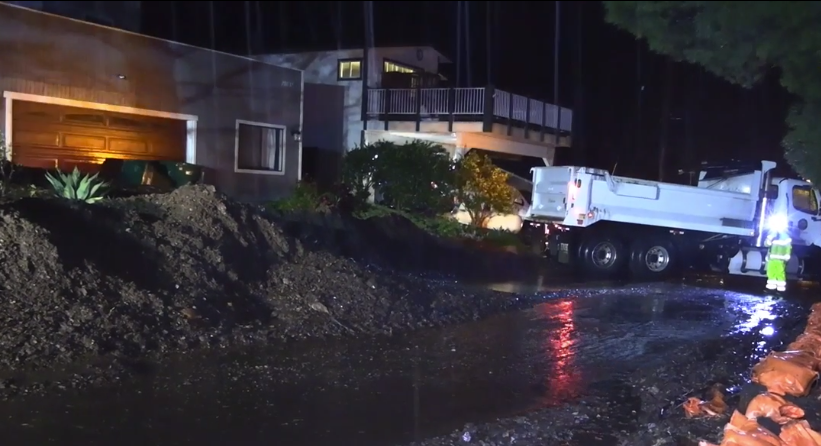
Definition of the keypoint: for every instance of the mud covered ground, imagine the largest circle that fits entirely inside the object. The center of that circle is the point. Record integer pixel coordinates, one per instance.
(145, 275)
(645, 409)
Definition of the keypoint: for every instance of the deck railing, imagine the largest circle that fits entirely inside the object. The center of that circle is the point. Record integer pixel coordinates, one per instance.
(485, 104)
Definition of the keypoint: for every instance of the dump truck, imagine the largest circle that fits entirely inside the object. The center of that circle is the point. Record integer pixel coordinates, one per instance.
(609, 225)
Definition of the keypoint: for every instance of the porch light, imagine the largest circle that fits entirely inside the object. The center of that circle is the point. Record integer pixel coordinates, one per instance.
(297, 135)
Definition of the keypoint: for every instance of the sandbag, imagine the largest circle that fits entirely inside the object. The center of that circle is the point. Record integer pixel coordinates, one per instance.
(783, 376)
(774, 407)
(715, 407)
(742, 431)
(799, 433)
(807, 342)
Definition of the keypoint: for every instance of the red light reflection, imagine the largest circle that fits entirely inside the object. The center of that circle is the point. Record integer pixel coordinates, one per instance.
(563, 379)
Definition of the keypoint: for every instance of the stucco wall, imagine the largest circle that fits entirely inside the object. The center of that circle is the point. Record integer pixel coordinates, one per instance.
(53, 56)
(321, 68)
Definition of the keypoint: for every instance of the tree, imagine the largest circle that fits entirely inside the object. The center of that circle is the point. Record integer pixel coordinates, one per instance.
(743, 42)
(482, 188)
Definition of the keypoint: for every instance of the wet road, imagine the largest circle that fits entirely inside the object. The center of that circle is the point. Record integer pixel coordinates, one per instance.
(395, 390)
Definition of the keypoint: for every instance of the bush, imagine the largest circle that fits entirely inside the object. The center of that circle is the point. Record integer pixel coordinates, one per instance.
(482, 188)
(360, 166)
(306, 198)
(416, 177)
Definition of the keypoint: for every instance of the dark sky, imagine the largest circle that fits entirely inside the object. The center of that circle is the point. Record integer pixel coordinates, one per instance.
(601, 69)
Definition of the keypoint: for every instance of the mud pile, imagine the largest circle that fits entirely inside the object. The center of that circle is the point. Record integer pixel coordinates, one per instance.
(192, 269)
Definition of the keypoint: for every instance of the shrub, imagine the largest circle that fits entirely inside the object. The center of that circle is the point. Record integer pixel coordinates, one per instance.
(415, 177)
(306, 198)
(359, 167)
(74, 186)
(482, 188)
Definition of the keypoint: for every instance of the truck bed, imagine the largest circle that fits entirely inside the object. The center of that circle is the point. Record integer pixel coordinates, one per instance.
(581, 196)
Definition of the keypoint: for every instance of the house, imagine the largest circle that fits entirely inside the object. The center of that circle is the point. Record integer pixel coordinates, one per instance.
(407, 98)
(76, 93)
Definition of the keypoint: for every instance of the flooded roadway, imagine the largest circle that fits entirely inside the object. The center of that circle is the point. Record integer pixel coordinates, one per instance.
(388, 391)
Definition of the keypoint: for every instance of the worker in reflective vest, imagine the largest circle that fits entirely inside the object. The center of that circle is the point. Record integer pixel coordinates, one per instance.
(777, 257)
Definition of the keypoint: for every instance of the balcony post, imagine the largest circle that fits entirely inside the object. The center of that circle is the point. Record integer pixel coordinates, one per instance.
(418, 105)
(527, 118)
(387, 111)
(489, 108)
(509, 114)
(451, 108)
(544, 118)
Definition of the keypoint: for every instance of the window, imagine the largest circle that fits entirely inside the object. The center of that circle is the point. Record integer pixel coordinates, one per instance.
(804, 200)
(393, 67)
(85, 118)
(350, 69)
(260, 148)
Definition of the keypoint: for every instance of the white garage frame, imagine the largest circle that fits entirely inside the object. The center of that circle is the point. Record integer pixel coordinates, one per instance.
(11, 96)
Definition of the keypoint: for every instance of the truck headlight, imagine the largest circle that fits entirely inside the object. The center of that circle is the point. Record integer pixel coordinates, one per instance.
(777, 222)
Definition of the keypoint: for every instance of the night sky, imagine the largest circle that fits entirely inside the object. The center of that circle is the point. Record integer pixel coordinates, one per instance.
(601, 69)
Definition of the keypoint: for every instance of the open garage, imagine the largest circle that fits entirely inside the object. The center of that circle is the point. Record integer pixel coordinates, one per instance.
(49, 136)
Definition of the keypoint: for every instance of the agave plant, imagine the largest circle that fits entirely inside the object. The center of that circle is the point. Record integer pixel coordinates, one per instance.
(74, 186)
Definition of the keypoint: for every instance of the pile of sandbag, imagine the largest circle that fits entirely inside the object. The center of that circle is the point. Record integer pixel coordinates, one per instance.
(790, 373)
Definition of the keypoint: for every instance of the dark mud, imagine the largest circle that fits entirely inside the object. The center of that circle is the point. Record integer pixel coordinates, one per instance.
(603, 367)
(643, 406)
(141, 276)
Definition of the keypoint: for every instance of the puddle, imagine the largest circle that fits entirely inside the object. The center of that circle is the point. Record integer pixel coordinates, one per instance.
(395, 390)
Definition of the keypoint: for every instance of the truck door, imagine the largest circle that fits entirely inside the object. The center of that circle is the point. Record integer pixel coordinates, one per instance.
(804, 218)
(550, 192)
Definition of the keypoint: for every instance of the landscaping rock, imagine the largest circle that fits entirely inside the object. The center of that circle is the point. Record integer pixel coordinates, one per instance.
(157, 273)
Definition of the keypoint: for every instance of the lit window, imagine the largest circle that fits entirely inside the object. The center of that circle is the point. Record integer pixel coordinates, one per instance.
(350, 69)
(391, 67)
(260, 148)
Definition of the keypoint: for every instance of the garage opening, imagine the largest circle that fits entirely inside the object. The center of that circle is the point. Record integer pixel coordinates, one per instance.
(55, 136)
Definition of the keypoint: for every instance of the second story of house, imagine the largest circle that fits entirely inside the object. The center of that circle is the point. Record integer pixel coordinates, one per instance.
(405, 84)
(389, 67)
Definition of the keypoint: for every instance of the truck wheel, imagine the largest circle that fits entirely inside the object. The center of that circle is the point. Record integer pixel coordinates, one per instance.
(652, 259)
(602, 256)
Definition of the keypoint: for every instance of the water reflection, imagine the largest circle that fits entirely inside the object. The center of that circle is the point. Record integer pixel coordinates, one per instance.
(758, 310)
(564, 379)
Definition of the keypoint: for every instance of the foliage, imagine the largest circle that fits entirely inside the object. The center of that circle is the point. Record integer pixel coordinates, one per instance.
(6, 167)
(74, 186)
(743, 42)
(306, 198)
(359, 167)
(482, 188)
(416, 176)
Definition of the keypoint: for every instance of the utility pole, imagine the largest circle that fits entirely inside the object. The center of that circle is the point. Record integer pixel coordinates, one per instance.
(556, 76)
(366, 63)
(665, 116)
(466, 16)
(488, 42)
(576, 131)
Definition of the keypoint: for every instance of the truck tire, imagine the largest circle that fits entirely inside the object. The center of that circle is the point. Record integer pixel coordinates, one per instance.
(654, 258)
(602, 256)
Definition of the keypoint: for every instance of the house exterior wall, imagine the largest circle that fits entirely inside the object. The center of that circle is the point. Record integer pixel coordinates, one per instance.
(321, 68)
(57, 57)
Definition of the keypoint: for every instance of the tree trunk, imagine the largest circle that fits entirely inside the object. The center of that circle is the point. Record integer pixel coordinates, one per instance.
(665, 116)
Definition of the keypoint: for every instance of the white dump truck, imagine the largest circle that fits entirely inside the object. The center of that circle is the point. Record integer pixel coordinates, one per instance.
(610, 225)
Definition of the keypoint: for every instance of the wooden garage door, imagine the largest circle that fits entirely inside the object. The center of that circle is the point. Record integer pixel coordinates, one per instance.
(50, 136)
